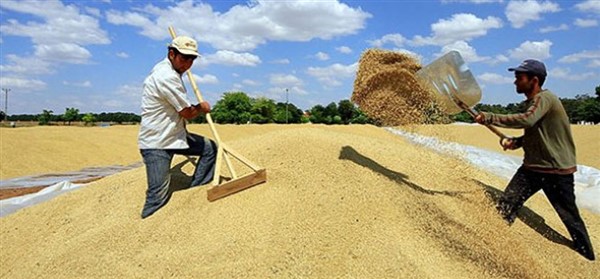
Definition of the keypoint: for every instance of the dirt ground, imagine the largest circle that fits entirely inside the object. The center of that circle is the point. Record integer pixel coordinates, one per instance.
(340, 201)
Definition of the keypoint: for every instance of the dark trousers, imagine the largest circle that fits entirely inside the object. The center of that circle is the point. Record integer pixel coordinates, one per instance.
(560, 192)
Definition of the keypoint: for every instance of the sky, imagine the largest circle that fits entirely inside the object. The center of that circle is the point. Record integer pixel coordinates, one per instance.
(94, 55)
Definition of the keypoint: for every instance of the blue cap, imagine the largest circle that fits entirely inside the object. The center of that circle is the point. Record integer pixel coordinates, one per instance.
(531, 66)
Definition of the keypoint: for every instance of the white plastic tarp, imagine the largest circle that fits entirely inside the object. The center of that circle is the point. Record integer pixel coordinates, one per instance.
(11, 205)
(587, 179)
(59, 184)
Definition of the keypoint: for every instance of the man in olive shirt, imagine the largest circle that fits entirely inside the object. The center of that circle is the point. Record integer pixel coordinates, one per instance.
(549, 160)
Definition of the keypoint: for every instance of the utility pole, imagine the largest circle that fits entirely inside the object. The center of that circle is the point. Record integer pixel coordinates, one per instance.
(6, 90)
(286, 106)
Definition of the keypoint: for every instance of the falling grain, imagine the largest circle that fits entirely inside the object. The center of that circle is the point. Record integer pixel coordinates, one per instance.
(387, 90)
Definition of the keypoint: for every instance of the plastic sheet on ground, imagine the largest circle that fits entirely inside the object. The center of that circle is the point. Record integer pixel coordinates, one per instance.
(59, 184)
(587, 179)
(81, 176)
(11, 205)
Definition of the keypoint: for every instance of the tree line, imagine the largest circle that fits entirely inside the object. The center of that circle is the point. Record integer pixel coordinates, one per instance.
(239, 108)
(72, 115)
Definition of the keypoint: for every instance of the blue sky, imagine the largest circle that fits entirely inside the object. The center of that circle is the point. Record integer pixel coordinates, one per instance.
(94, 55)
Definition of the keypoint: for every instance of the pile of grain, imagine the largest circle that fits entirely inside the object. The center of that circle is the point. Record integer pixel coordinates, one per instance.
(340, 201)
(387, 90)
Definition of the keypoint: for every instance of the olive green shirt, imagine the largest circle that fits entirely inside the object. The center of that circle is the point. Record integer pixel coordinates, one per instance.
(547, 143)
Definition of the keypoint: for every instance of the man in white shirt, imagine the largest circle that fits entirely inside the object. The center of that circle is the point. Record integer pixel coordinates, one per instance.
(165, 108)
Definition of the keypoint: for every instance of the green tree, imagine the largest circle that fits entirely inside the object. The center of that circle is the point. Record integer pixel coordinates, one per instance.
(360, 117)
(331, 111)
(233, 107)
(293, 114)
(263, 110)
(588, 109)
(336, 120)
(317, 114)
(88, 119)
(304, 119)
(463, 116)
(70, 115)
(346, 110)
(45, 117)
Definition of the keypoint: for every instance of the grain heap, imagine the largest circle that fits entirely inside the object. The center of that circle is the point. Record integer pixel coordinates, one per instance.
(347, 201)
(387, 90)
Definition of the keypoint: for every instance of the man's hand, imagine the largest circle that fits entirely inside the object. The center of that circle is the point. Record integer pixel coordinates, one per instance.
(480, 118)
(509, 144)
(203, 107)
(194, 110)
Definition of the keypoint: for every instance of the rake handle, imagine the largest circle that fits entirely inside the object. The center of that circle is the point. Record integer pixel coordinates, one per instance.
(211, 124)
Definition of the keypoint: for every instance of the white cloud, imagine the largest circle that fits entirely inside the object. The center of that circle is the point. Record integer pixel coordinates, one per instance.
(395, 39)
(590, 56)
(285, 80)
(60, 24)
(344, 49)
(521, 12)
(206, 79)
(131, 91)
(58, 34)
(86, 83)
(236, 87)
(278, 93)
(322, 56)
(565, 73)
(230, 58)
(415, 55)
(331, 75)
(244, 27)
(281, 61)
(585, 22)
(590, 6)
(93, 11)
(499, 58)
(492, 78)
(468, 53)
(18, 83)
(250, 82)
(594, 63)
(122, 54)
(63, 52)
(22, 65)
(461, 27)
(531, 50)
(473, 1)
(548, 29)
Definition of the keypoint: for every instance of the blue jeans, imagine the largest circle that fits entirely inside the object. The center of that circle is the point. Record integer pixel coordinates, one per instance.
(158, 164)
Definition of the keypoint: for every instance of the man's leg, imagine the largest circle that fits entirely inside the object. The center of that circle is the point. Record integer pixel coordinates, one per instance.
(560, 192)
(520, 188)
(158, 164)
(207, 150)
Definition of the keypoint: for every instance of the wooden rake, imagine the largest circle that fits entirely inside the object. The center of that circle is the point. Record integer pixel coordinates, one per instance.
(237, 183)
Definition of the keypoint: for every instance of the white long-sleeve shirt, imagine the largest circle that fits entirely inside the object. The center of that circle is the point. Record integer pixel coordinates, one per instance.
(164, 95)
